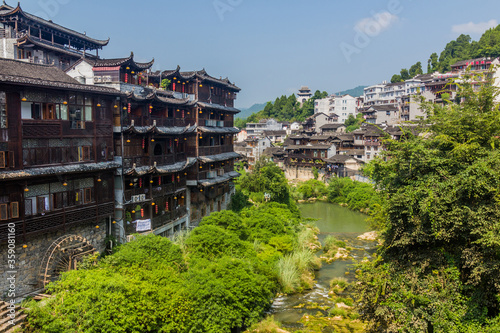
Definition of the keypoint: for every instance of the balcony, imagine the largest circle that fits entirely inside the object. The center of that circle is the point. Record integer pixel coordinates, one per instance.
(60, 219)
(214, 150)
(168, 217)
(372, 143)
(139, 161)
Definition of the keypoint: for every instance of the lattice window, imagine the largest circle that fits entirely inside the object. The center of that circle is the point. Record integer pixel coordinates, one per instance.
(4, 212)
(14, 210)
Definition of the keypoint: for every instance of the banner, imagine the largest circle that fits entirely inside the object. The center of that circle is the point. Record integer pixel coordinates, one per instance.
(142, 225)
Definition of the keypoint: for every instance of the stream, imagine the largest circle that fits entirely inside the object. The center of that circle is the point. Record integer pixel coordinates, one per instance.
(345, 225)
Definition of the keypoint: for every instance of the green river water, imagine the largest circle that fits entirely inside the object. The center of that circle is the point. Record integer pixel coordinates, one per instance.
(345, 225)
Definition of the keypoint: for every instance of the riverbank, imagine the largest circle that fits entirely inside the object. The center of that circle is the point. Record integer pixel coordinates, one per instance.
(329, 306)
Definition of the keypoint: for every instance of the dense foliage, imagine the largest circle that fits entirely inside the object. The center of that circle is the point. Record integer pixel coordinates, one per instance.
(355, 195)
(284, 109)
(216, 278)
(462, 48)
(439, 267)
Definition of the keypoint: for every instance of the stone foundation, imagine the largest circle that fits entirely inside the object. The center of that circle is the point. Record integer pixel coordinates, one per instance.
(28, 260)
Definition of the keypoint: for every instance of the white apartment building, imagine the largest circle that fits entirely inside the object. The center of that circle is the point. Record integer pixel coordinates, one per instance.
(344, 106)
(372, 94)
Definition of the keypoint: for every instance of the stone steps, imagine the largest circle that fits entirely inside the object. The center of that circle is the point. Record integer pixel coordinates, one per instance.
(5, 324)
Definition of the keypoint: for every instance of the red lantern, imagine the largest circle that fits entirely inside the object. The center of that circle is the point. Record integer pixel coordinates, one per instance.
(156, 209)
(140, 182)
(126, 77)
(142, 212)
(143, 143)
(166, 206)
(128, 108)
(173, 178)
(159, 180)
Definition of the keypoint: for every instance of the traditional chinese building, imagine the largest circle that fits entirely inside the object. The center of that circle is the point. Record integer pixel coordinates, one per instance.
(56, 167)
(29, 38)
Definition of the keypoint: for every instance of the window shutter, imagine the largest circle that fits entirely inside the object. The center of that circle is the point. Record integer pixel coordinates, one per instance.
(4, 213)
(12, 162)
(14, 210)
(2, 159)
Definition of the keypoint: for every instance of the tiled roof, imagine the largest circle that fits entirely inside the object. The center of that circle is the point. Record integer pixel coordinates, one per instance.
(218, 107)
(24, 73)
(219, 130)
(221, 179)
(6, 10)
(219, 157)
(58, 170)
(201, 75)
(123, 61)
(163, 169)
(332, 126)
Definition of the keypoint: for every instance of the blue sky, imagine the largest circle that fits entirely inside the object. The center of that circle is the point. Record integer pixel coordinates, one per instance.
(270, 48)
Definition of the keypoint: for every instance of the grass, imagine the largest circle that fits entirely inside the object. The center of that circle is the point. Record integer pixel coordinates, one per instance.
(332, 243)
(288, 274)
(337, 285)
(268, 325)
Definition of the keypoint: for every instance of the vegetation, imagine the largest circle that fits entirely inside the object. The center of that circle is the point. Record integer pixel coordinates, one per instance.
(462, 48)
(353, 123)
(438, 269)
(309, 189)
(284, 109)
(218, 277)
(355, 195)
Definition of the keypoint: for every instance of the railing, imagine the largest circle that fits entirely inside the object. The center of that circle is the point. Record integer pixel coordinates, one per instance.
(168, 217)
(215, 150)
(160, 121)
(58, 220)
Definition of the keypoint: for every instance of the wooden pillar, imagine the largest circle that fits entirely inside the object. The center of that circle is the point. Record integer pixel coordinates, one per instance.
(52, 38)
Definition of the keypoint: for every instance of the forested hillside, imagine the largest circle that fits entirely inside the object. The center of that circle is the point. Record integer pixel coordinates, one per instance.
(462, 48)
(284, 109)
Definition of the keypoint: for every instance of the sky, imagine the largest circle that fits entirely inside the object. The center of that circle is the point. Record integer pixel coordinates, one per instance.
(270, 48)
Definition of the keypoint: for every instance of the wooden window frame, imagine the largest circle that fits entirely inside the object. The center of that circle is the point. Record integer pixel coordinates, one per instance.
(14, 210)
(4, 212)
(2, 160)
(87, 196)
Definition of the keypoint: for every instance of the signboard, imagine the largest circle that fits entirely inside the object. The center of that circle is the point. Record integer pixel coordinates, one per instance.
(142, 225)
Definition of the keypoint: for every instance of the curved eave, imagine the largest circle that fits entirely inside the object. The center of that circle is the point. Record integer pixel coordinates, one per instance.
(160, 170)
(96, 42)
(219, 130)
(218, 107)
(58, 170)
(36, 41)
(218, 158)
(221, 179)
(128, 61)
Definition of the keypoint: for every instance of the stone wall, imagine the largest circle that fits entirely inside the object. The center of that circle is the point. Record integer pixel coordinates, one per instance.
(28, 259)
(302, 173)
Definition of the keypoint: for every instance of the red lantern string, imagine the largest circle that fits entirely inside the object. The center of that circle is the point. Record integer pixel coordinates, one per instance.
(126, 78)
(140, 182)
(142, 212)
(166, 206)
(156, 209)
(143, 143)
(128, 108)
(159, 180)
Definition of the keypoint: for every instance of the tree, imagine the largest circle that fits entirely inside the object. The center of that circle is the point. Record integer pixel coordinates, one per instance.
(439, 267)
(416, 69)
(433, 63)
(405, 75)
(396, 78)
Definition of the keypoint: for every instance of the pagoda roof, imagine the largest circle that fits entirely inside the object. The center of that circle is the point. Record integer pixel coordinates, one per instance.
(128, 61)
(7, 11)
(44, 76)
(201, 75)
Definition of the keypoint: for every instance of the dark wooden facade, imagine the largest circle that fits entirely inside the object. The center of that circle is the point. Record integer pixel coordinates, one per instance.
(56, 150)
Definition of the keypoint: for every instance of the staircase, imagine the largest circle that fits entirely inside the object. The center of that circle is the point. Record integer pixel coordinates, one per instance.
(5, 321)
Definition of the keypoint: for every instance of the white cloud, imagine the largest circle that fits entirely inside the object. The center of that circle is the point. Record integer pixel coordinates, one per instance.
(474, 28)
(372, 26)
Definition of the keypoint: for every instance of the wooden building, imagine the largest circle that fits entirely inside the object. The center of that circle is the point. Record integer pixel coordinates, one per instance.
(30, 38)
(56, 160)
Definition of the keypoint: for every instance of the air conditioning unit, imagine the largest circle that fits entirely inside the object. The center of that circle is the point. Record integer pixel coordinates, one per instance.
(106, 78)
(97, 79)
(211, 174)
(221, 172)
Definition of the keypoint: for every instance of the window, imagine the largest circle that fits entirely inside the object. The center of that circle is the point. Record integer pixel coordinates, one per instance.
(14, 210)
(3, 212)
(3, 163)
(3, 110)
(88, 195)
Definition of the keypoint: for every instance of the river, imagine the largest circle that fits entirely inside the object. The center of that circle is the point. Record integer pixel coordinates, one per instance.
(345, 225)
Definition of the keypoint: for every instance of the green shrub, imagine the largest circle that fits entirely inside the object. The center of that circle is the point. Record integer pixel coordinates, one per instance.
(332, 243)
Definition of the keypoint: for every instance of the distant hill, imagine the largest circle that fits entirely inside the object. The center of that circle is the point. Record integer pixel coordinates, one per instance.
(246, 112)
(354, 92)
